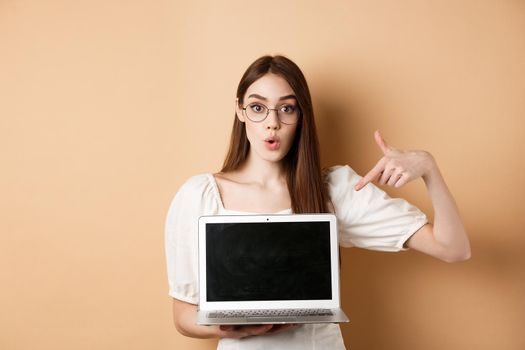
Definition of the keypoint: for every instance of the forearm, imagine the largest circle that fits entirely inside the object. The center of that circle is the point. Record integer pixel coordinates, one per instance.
(184, 317)
(448, 230)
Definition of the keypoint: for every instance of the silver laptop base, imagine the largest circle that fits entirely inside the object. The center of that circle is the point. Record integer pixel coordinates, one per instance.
(235, 317)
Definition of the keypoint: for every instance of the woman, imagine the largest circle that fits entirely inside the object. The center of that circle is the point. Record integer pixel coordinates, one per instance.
(273, 166)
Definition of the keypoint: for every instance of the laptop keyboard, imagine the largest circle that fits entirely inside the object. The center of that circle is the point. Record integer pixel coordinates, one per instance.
(270, 313)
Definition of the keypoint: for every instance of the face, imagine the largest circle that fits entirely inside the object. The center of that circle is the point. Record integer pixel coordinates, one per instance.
(270, 139)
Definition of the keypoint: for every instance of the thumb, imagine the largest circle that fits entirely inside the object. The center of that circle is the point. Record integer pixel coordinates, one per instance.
(381, 142)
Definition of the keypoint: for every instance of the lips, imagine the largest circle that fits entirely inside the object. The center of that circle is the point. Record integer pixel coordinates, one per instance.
(272, 143)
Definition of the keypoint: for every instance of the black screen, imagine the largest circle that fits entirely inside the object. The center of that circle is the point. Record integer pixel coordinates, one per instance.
(268, 261)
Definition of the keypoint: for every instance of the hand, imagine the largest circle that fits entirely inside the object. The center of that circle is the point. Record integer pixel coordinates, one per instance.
(242, 331)
(397, 167)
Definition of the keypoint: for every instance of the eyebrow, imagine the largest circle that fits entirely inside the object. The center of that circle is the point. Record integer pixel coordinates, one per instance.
(265, 99)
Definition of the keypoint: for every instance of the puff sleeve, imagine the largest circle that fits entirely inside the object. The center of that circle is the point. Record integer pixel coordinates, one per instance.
(194, 199)
(369, 218)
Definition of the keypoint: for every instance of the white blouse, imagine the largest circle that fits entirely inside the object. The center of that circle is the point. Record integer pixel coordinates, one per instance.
(368, 218)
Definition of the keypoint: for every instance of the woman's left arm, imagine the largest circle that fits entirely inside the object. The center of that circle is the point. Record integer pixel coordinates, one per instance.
(446, 239)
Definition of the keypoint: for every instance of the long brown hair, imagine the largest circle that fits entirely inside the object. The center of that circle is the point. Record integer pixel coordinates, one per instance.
(308, 192)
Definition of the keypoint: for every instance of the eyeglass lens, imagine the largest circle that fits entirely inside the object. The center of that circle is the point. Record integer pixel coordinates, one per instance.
(287, 113)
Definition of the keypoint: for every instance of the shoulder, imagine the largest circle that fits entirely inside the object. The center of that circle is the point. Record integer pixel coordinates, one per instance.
(226, 179)
(195, 197)
(341, 181)
(196, 184)
(341, 175)
(196, 193)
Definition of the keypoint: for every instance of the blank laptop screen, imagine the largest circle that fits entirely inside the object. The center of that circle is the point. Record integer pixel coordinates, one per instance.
(268, 261)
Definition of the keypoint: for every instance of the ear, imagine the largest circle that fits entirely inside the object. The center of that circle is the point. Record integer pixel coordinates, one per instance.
(239, 111)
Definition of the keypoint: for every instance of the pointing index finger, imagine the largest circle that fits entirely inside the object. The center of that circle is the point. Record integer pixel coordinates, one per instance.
(371, 175)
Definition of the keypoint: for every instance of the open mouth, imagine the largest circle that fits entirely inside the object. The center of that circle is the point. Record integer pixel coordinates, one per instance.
(272, 139)
(272, 143)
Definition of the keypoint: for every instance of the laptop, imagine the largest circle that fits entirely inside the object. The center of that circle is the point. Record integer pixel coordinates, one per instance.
(269, 269)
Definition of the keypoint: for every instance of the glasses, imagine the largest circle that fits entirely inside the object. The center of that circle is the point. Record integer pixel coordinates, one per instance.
(257, 112)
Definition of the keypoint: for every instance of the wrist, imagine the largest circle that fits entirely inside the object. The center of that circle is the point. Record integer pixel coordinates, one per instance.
(432, 170)
(217, 332)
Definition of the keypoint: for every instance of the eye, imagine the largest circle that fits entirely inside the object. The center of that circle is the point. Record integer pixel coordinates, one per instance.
(257, 108)
(288, 109)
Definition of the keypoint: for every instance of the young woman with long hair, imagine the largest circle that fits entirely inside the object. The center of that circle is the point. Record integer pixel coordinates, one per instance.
(273, 166)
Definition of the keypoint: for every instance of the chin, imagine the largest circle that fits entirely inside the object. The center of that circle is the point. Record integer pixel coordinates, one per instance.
(275, 157)
(270, 156)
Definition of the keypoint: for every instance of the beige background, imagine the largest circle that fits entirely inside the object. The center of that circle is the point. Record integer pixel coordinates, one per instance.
(106, 107)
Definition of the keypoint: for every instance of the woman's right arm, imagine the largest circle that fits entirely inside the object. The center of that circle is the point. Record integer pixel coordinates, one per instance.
(184, 317)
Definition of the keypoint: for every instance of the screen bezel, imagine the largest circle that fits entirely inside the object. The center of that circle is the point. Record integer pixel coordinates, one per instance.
(273, 304)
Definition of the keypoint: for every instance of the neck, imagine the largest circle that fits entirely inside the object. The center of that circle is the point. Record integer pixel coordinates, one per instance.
(262, 171)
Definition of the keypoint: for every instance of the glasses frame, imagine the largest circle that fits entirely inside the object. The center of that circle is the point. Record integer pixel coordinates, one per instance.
(268, 113)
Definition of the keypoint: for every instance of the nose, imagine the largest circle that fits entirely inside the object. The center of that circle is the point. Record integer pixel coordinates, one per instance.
(272, 120)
